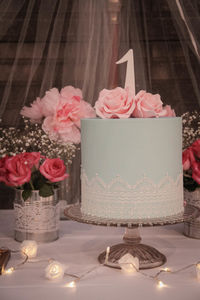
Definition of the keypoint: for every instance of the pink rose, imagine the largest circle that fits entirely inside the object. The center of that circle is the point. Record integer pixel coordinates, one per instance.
(54, 169)
(19, 171)
(32, 158)
(116, 103)
(147, 105)
(167, 111)
(196, 148)
(35, 112)
(196, 171)
(188, 159)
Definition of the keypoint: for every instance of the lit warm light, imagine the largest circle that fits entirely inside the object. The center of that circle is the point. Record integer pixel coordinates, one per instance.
(29, 248)
(160, 284)
(107, 254)
(198, 270)
(129, 263)
(8, 271)
(71, 284)
(166, 270)
(54, 271)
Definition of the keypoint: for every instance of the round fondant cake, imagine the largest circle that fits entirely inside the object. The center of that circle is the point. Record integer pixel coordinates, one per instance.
(131, 168)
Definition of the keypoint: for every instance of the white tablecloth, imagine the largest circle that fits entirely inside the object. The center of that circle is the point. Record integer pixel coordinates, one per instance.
(78, 248)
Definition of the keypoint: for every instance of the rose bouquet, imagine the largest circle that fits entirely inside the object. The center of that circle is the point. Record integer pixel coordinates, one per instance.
(121, 103)
(32, 171)
(51, 127)
(191, 166)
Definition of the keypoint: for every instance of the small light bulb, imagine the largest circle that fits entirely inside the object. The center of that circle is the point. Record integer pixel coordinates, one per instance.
(198, 271)
(107, 255)
(166, 270)
(29, 248)
(8, 271)
(198, 266)
(160, 284)
(71, 284)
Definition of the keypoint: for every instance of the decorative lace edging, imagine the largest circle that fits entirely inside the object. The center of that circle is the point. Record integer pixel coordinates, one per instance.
(143, 199)
(36, 217)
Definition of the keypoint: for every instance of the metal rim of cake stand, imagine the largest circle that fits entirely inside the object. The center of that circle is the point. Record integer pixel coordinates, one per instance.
(148, 256)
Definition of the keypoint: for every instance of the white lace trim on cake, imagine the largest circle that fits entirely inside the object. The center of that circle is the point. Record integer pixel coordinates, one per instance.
(143, 199)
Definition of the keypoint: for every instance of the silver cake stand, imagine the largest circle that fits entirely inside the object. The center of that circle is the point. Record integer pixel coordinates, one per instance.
(148, 256)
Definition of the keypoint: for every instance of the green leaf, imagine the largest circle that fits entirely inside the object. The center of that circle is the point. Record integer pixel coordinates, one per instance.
(46, 190)
(26, 194)
(37, 180)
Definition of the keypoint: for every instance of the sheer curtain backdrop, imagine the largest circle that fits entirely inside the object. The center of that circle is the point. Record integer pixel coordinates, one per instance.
(54, 43)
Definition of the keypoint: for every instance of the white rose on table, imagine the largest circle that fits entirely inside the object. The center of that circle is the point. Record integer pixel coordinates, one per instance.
(129, 263)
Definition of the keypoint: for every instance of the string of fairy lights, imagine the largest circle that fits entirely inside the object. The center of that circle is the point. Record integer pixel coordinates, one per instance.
(55, 270)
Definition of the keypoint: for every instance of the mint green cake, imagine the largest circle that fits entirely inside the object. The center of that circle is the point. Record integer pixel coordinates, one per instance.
(131, 168)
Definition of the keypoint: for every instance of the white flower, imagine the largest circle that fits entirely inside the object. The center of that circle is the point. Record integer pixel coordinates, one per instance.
(29, 248)
(129, 263)
(54, 271)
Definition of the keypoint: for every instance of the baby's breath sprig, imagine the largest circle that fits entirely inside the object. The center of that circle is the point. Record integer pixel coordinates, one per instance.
(32, 138)
(191, 128)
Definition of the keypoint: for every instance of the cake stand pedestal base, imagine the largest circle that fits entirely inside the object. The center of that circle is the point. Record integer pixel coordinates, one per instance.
(148, 256)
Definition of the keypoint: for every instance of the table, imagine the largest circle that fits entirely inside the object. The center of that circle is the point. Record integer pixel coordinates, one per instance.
(78, 248)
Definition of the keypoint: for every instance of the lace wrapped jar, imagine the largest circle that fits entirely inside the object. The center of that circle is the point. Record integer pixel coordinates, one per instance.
(37, 218)
(192, 228)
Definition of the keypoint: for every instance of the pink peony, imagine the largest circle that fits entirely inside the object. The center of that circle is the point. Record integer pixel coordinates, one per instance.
(62, 113)
(50, 102)
(54, 169)
(64, 124)
(116, 103)
(196, 148)
(64, 132)
(69, 92)
(32, 158)
(86, 111)
(147, 105)
(68, 111)
(73, 106)
(35, 112)
(18, 170)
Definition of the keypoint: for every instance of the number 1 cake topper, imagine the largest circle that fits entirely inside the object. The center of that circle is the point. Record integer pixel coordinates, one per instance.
(130, 73)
